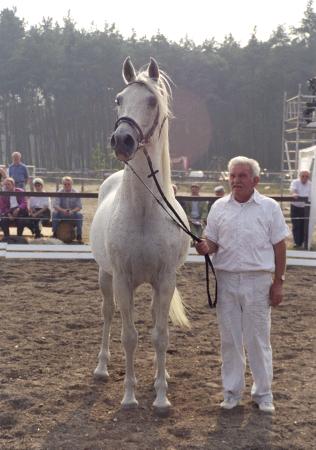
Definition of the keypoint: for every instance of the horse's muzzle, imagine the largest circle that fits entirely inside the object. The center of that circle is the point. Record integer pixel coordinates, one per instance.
(124, 141)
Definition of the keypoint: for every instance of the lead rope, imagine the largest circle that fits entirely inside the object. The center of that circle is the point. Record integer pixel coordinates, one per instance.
(180, 223)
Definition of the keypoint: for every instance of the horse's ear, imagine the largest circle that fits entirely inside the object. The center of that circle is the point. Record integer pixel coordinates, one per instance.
(153, 69)
(128, 71)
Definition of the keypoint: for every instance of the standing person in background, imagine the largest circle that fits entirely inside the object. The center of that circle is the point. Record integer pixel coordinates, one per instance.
(219, 191)
(196, 211)
(67, 208)
(39, 208)
(3, 173)
(18, 171)
(13, 208)
(301, 187)
(246, 231)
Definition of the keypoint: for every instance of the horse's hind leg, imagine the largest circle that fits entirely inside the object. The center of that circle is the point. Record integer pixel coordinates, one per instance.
(163, 292)
(105, 282)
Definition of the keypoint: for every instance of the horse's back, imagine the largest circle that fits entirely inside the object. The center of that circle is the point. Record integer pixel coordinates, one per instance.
(107, 193)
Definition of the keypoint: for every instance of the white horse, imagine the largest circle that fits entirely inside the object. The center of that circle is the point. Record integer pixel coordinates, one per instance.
(133, 239)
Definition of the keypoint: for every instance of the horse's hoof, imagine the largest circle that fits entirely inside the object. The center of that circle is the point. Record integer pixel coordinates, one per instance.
(162, 411)
(128, 406)
(101, 376)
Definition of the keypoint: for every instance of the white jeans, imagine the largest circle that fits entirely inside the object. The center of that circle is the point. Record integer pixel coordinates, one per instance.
(244, 318)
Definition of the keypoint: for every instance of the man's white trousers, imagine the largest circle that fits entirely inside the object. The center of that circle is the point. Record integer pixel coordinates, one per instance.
(244, 318)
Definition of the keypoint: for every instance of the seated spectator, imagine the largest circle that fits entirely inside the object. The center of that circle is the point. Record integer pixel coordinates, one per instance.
(39, 208)
(13, 208)
(67, 208)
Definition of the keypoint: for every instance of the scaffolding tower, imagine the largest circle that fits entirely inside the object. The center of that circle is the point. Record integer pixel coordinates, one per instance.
(299, 129)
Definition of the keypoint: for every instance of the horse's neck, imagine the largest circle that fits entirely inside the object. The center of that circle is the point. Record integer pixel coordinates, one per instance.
(133, 189)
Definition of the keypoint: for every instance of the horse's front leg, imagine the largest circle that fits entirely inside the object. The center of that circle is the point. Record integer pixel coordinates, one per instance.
(105, 282)
(123, 293)
(162, 295)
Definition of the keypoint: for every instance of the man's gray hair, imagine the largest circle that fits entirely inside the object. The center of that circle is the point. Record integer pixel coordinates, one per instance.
(251, 163)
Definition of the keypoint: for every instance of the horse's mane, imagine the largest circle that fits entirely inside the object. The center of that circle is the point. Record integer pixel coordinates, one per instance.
(162, 90)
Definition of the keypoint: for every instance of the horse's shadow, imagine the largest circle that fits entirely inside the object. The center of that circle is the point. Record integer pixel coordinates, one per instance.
(98, 421)
(241, 429)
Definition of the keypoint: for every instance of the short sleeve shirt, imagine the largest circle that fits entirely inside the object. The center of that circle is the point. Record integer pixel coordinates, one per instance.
(19, 173)
(301, 189)
(245, 233)
(68, 202)
(39, 202)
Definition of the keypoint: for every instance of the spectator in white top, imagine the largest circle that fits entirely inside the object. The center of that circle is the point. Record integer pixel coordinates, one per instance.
(301, 187)
(247, 232)
(39, 209)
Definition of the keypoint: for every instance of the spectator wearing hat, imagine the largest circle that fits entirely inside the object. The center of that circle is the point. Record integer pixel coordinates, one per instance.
(39, 208)
(196, 211)
(219, 191)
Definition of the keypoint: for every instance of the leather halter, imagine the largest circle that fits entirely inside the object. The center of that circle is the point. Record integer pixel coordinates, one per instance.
(142, 139)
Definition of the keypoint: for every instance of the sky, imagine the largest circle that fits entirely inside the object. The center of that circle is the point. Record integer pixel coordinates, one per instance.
(175, 19)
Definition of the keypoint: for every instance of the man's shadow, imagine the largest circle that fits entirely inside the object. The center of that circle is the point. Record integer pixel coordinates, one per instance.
(244, 427)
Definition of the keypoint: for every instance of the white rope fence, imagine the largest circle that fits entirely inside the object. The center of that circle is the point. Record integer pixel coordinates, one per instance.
(69, 252)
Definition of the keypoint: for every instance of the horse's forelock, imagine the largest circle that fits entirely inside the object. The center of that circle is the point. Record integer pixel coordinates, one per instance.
(162, 89)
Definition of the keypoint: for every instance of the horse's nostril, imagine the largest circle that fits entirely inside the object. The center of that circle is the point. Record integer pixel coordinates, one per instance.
(113, 141)
(129, 141)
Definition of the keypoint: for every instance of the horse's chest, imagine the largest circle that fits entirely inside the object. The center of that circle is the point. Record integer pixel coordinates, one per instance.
(141, 247)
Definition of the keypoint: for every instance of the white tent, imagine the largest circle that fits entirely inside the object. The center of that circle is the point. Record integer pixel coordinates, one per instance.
(307, 161)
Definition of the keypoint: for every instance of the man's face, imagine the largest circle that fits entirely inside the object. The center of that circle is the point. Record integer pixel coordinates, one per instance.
(16, 158)
(67, 184)
(8, 186)
(195, 190)
(242, 182)
(304, 176)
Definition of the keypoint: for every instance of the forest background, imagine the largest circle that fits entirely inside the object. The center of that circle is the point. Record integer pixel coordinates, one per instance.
(58, 85)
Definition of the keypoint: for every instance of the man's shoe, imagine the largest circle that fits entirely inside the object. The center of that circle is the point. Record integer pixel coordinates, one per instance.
(79, 240)
(230, 403)
(54, 235)
(267, 407)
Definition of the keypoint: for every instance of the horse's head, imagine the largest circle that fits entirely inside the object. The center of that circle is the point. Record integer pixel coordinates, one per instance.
(139, 110)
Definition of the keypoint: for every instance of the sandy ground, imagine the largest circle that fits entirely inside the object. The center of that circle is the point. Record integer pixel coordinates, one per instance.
(50, 337)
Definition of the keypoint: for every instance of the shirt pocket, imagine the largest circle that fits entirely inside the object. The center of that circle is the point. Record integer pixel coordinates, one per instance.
(259, 234)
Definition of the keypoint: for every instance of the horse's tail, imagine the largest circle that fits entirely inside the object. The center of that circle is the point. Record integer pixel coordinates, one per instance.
(177, 311)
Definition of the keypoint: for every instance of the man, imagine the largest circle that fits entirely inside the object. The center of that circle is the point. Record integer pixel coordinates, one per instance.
(219, 191)
(18, 171)
(13, 208)
(67, 208)
(247, 232)
(301, 187)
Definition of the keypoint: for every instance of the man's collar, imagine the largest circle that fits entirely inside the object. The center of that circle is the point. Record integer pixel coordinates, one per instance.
(255, 197)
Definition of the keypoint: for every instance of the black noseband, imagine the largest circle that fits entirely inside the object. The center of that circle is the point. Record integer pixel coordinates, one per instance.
(133, 124)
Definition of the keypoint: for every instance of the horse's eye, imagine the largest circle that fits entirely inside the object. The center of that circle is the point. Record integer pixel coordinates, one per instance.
(152, 101)
(118, 100)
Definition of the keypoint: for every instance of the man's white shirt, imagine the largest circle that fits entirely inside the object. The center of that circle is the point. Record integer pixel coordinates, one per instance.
(301, 189)
(245, 233)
